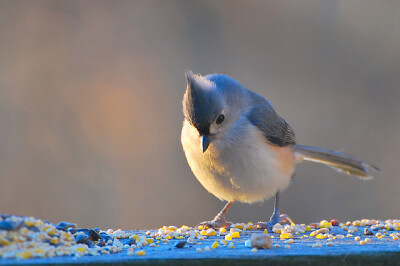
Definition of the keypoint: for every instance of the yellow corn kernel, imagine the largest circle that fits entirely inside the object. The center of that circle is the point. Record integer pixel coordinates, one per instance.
(168, 237)
(210, 232)
(231, 245)
(266, 231)
(51, 232)
(201, 227)
(235, 235)
(222, 230)
(239, 226)
(325, 224)
(286, 235)
(357, 238)
(140, 252)
(395, 237)
(248, 226)
(24, 255)
(80, 249)
(228, 237)
(38, 251)
(172, 228)
(215, 245)
(321, 236)
(362, 242)
(4, 241)
(223, 242)
(54, 241)
(29, 223)
(149, 240)
(308, 228)
(254, 250)
(203, 232)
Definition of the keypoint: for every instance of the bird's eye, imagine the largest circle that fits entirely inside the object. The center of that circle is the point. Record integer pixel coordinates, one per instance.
(220, 119)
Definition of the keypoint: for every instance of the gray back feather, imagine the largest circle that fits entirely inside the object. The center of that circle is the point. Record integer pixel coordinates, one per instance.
(275, 129)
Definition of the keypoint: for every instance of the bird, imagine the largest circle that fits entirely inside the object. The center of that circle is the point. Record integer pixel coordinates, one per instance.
(240, 149)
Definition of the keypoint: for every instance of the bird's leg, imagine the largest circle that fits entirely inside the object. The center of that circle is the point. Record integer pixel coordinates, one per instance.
(219, 220)
(276, 217)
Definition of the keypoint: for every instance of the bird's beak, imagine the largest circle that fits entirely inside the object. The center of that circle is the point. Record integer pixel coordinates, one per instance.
(205, 142)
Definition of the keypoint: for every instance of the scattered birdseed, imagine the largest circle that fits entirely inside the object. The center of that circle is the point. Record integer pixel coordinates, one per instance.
(335, 222)
(28, 237)
(210, 232)
(235, 235)
(289, 241)
(262, 240)
(215, 245)
(228, 237)
(140, 252)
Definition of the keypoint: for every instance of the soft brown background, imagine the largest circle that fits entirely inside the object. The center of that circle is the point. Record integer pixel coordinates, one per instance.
(90, 104)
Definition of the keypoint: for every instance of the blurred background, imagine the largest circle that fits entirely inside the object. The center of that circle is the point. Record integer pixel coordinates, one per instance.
(90, 104)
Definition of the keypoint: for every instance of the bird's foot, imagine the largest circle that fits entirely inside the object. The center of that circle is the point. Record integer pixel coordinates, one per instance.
(269, 225)
(216, 223)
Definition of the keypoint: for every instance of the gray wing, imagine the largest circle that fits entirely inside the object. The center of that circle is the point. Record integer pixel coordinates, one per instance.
(275, 129)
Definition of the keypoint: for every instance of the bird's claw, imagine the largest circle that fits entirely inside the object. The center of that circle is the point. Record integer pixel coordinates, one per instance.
(216, 223)
(269, 225)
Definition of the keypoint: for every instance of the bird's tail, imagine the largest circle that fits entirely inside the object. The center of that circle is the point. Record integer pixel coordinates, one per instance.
(338, 161)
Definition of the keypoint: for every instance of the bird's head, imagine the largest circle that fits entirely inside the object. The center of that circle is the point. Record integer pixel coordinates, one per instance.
(205, 108)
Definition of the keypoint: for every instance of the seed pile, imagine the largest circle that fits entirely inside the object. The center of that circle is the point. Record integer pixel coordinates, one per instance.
(28, 237)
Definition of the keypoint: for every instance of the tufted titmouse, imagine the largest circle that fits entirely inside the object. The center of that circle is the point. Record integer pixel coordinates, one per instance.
(240, 149)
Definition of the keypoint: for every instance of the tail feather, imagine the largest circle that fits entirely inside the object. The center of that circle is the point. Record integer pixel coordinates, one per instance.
(338, 161)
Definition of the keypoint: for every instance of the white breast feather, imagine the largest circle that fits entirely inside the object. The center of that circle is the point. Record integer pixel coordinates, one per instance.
(237, 168)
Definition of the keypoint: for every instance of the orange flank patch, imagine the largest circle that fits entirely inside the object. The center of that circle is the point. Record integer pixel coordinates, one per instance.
(286, 159)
